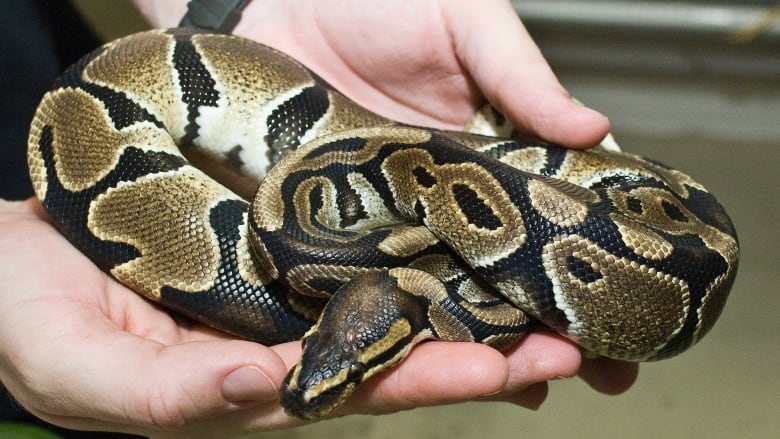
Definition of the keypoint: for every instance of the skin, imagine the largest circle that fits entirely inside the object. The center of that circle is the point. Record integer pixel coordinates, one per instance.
(81, 351)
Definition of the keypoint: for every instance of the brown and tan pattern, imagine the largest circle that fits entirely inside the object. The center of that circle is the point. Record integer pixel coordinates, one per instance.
(365, 236)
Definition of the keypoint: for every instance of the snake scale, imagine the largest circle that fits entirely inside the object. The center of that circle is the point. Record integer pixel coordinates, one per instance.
(365, 235)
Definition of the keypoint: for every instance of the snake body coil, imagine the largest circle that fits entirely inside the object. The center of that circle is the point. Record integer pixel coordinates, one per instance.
(414, 232)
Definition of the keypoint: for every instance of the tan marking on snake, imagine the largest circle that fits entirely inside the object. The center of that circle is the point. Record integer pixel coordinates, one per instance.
(558, 207)
(478, 246)
(531, 159)
(629, 308)
(407, 241)
(146, 77)
(642, 240)
(85, 144)
(653, 215)
(135, 212)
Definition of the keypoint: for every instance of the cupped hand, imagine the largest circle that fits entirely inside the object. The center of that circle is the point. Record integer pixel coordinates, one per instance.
(424, 62)
(81, 351)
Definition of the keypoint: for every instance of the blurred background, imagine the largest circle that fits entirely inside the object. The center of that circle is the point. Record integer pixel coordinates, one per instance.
(695, 85)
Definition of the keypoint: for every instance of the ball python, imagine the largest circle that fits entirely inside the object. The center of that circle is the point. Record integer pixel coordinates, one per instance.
(365, 236)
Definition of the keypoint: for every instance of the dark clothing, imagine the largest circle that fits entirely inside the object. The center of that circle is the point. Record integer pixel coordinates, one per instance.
(40, 39)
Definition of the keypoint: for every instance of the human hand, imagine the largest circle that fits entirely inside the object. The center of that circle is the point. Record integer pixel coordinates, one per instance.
(81, 351)
(424, 62)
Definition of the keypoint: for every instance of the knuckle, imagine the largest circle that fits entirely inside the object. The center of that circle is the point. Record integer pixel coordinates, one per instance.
(164, 409)
(158, 406)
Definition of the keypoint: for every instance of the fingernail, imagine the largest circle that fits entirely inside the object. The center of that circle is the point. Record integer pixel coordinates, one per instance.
(248, 384)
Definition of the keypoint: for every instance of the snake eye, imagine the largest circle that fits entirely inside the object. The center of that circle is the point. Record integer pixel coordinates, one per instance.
(356, 372)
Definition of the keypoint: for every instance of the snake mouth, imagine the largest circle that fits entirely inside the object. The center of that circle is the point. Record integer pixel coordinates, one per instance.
(308, 405)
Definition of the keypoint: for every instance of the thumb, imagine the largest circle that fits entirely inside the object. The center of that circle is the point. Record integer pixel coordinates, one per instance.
(511, 72)
(174, 386)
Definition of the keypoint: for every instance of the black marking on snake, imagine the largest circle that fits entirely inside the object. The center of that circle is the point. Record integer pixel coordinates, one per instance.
(423, 177)
(698, 291)
(474, 208)
(525, 268)
(706, 208)
(480, 329)
(352, 144)
(315, 206)
(697, 288)
(498, 116)
(293, 118)
(626, 182)
(231, 301)
(500, 150)
(337, 174)
(197, 85)
(122, 110)
(234, 157)
(673, 212)
(420, 211)
(132, 164)
(635, 205)
(350, 206)
(555, 158)
(444, 151)
(582, 270)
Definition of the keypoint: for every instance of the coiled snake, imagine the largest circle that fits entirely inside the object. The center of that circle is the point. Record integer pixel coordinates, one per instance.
(414, 232)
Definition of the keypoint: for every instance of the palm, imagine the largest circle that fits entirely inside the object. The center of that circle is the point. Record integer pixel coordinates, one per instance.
(429, 62)
(71, 279)
(376, 58)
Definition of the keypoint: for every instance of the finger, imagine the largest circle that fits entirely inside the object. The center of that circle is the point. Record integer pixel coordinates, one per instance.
(611, 377)
(434, 373)
(445, 372)
(539, 357)
(514, 76)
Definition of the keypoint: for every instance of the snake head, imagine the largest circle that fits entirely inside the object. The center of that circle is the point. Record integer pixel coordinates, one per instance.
(369, 325)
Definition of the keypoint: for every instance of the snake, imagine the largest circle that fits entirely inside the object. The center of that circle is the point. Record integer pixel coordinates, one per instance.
(225, 181)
